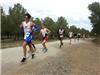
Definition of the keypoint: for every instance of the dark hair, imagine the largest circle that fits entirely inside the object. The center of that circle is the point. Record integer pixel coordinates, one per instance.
(28, 15)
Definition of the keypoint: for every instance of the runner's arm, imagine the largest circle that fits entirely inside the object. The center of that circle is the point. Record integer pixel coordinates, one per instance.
(48, 30)
(21, 25)
(21, 29)
(32, 24)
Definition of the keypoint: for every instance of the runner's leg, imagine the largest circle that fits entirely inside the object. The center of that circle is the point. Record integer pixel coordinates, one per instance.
(24, 51)
(60, 42)
(44, 45)
(31, 50)
(70, 40)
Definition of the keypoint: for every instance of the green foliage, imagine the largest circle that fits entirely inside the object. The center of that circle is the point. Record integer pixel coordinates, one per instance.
(16, 15)
(95, 17)
(10, 23)
(50, 24)
(73, 28)
(62, 22)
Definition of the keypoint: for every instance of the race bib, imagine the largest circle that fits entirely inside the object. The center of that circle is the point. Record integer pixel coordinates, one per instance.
(27, 34)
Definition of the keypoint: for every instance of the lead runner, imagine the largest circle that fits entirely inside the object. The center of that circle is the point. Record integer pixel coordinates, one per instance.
(27, 26)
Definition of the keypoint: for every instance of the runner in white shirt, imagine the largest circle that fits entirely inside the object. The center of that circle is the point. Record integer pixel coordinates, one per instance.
(27, 27)
(78, 36)
(70, 36)
(61, 35)
(44, 31)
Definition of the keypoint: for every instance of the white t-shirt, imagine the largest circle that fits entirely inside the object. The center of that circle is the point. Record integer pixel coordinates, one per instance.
(44, 31)
(78, 34)
(70, 34)
(26, 26)
(61, 31)
(27, 29)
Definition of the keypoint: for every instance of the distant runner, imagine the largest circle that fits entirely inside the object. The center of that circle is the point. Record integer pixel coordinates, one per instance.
(44, 31)
(78, 36)
(27, 27)
(70, 36)
(61, 36)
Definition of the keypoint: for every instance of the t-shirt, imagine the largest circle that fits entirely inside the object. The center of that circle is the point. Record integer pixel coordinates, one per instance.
(27, 30)
(44, 32)
(61, 31)
(70, 34)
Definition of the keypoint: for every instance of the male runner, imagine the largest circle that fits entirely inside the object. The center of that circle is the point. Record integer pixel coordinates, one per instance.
(44, 31)
(27, 27)
(61, 35)
(70, 36)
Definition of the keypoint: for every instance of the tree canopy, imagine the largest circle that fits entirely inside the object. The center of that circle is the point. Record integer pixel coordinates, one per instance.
(95, 17)
(10, 23)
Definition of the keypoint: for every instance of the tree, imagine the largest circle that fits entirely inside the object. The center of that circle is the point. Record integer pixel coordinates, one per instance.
(62, 22)
(16, 14)
(10, 23)
(3, 22)
(50, 24)
(95, 17)
(74, 29)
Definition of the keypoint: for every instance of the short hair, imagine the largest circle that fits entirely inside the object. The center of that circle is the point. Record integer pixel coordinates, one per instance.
(28, 15)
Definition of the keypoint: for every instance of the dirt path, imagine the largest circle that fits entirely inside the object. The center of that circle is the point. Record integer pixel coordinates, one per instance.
(80, 58)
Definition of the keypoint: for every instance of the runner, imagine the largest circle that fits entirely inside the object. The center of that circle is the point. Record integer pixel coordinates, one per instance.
(78, 36)
(27, 27)
(70, 36)
(75, 36)
(35, 28)
(83, 36)
(44, 31)
(61, 35)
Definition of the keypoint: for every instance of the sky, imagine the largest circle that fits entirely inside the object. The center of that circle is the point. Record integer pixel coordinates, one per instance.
(76, 12)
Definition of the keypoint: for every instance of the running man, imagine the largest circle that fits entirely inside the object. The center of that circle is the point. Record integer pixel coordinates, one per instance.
(70, 36)
(84, 36)
(44, 31)
(27, 27)
(61, 35)
(75, 36)
(78, 36)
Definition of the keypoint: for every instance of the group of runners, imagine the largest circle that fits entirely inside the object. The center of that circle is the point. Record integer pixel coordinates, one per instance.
(71, 36)
(28, 28)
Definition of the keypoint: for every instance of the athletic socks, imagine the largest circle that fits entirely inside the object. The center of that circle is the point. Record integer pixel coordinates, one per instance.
(33, 54)
(33, 46)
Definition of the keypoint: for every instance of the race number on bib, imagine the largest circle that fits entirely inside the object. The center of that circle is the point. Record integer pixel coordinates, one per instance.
(27, 35)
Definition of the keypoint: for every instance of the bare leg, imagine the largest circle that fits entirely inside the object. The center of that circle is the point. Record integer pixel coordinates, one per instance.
(44, 45)
(61, 43)
(31, 50)
(24, 48)
(70, 41)
(24, 51)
